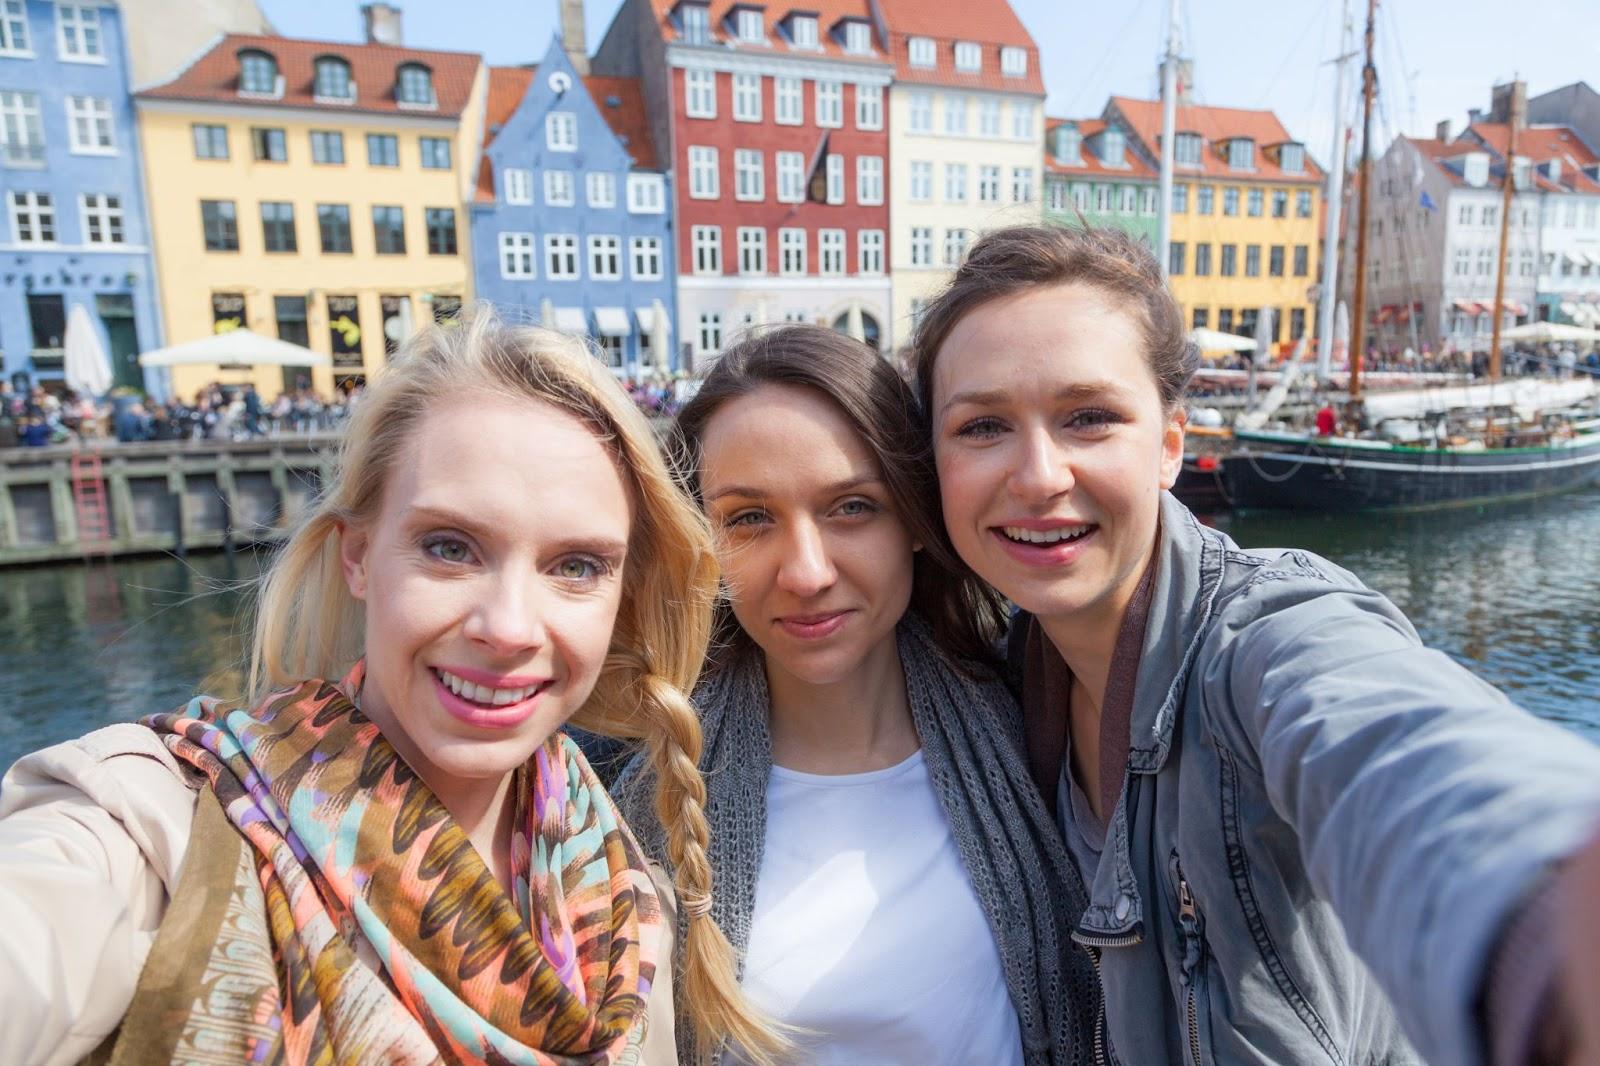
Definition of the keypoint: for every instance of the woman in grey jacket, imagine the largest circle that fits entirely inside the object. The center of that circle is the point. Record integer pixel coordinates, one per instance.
(1306, 838)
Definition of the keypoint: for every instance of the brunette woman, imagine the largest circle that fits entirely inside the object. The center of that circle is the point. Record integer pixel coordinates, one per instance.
(1306, 837)
(390, 853)
(895, 889)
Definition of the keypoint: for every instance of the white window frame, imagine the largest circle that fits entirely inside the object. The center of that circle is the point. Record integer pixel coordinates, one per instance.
(969, 57)
(96, 112)
(605, 257)
(21, 129)
(955, 115)
(803, 30)
(788, 101)
(835, 175)
(518, 185)
(1241, 154)
(955, 183)
(1014, 62)
(869, 251)
(696, 20)
(647, 194)
(1128, 200)
(747, 97)
(77, 24)
(921, 175)
(1023, 122)
(37, 207)
(829, 104)
(518, 256)
(749, 175)
(559, 189)
(922, 52)
(710, 336)
(704, 184)
(1292, 153)
(561, 131)
(700, 93)
(919, 112)
(752, 251)
(791, 251)
(956, 242)
(1186, 149)
(869, 180)
(869, 107)
(791, 170)
(1149, 198)
(858, 38)
(751, 26)
(1022, 185)
(989, 113)
(830, 252)
(988, 184)
(15, 38)
(556, 247)
(600, 188)
(922, 246)
(645, 258)
(98, 210)
(706, 249)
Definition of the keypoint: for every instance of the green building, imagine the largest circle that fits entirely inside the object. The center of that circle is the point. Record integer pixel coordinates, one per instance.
(1090, 173)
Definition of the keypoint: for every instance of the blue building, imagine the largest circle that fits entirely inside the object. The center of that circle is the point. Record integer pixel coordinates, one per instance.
(572, 222)
(73, 228)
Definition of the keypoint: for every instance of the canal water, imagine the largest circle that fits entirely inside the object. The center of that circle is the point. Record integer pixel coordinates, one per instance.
(1512, 591)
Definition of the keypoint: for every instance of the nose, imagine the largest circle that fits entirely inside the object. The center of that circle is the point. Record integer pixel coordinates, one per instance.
(1043, 468)
(806, 569)
(509, 618)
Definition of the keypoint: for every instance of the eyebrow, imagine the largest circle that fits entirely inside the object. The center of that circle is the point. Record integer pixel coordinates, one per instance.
(597, 544)
(1083, 390)
(843, 485)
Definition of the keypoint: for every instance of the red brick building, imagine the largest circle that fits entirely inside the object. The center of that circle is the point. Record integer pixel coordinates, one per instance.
(776, 122)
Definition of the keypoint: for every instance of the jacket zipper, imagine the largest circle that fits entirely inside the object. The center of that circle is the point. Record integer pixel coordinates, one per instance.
(1093, 944)
(1188, 917)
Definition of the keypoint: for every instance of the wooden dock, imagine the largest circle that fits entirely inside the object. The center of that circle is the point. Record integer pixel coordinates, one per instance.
(165, 496)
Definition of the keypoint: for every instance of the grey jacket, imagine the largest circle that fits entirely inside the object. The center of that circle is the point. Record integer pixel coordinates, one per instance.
(1324, 825)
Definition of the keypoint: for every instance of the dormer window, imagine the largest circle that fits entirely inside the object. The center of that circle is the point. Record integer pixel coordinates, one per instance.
(258, 74)
(750, 25)
(858, 38)
(803, 30)
(1292, 158)
(1014, 62)
(1186, 148)
(923, 52)
(1113, 148)
(1068, 147)
(1521, 172)
(969, 57)
(1242, 154)
(1552, 169)
(1475, 169)
(333, 80)
(415, 86)
(696, 19)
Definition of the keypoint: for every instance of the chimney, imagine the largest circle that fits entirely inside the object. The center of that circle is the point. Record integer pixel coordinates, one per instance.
(1185, 81)
(1442, 131)
(382, 24)
(1508, 102)
(1474, 116)
(572, 35)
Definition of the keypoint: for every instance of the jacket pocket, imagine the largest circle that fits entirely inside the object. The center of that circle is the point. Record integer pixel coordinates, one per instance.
(1192, 970)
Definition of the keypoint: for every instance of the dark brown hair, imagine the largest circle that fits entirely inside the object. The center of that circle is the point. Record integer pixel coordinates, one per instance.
(966, 616)
(1020, 258)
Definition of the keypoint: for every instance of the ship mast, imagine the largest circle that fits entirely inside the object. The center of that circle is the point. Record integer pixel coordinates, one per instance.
(1169, 115)
(1509, 186)
(1330, 256)
(1358, 313)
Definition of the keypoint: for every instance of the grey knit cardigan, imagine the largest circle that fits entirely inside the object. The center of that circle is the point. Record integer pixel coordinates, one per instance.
(971, 733)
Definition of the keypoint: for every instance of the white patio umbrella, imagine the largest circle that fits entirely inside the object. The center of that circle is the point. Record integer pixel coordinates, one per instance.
(1210, 340)
(85, 365)
(853, 324)
(1262, 346)
(660, 335)
(761, 312)
(547, 313)
(235, 348)
(1534, 332)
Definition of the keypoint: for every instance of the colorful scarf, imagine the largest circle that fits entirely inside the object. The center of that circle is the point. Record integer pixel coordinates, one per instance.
(346, 852)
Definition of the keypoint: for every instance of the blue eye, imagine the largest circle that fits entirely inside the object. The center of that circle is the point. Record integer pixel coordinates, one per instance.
(448, 549)
(857, 507)
(1093, 418)
(744, 520)
(980, 427)
(581, 568)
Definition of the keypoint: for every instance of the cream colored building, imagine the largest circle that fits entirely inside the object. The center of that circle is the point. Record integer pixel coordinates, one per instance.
(966, 139)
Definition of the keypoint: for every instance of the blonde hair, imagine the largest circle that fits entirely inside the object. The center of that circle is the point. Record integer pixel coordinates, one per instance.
(309, 626)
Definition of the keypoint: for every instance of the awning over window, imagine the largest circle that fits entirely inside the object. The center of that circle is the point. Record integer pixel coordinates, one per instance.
(611, 321)
(1513, 307)
(571, 320)
(646, 317)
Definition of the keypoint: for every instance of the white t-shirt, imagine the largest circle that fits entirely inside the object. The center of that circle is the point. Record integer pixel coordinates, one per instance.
(867, 932)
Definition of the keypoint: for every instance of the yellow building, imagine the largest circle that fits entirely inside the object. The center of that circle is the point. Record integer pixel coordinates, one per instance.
(313, 192)
(1246, 204)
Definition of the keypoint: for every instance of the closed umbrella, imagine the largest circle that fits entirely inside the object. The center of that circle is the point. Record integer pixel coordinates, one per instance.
(660, 335)
(761, 311)
(1263, 346)
(853, 324)
(1210, 340)
(1341, 332)
(85, 364)
(547, 313)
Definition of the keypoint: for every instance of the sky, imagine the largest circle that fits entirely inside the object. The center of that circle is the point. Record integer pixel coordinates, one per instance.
(1435, 58)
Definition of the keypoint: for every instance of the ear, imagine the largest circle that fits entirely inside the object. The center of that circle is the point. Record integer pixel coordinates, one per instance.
(353, 559)
(1172, 447)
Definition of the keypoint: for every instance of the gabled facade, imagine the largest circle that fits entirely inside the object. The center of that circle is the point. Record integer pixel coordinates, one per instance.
(775, 122)
(572, 221)
(1245, 214)
(74, 231)
(1090, 174)
(966, 117)
(312, 191)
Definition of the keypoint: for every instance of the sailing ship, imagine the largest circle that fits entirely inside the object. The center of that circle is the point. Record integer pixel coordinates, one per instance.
(1427, 448)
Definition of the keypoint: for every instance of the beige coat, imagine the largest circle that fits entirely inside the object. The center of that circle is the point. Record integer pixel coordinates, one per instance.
(92, 839)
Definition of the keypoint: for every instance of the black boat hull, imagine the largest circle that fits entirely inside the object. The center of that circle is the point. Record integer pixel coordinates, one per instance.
(1287, 472)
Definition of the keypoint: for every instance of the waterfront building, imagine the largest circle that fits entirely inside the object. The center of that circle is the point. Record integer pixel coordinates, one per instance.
(75, 228)
(1091, 177)
(774, 119)
(572, 221)
(310, 190)
(966, 115)
(163, 35)
(1245, 200)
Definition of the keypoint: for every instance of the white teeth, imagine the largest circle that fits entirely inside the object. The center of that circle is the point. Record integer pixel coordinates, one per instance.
(495, 697)
(1041, 536)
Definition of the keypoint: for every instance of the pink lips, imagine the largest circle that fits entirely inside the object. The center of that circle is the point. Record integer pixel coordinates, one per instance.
(813, 626)
(1060, 553)
(507, 716)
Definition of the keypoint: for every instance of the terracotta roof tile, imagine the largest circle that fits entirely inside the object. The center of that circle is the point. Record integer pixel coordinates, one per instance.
(374, 68)
(1542, 144)
(507, 85)
(828, 13)
(1217, 125)
(1088, 162)
(993, 25)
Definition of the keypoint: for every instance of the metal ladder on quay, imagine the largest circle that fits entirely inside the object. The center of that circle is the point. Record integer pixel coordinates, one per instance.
(90, 505)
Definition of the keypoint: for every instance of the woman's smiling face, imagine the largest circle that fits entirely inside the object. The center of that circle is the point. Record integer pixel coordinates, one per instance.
(1053, 447)
(491, 575)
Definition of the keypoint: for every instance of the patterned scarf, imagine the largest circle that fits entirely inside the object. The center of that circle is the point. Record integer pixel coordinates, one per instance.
(347, 853)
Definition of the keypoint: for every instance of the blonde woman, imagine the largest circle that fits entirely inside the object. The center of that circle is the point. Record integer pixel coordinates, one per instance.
(391, 853)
